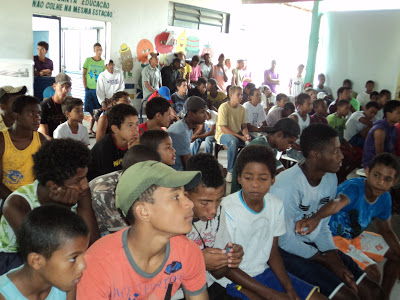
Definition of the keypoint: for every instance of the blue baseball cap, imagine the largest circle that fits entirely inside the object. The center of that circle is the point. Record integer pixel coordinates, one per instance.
(164, 92)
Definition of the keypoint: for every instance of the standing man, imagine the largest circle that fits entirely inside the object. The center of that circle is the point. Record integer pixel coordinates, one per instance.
(151, 76)
(52, 114)
(43, 66)
(296, 83)
(271, 78)
(109, 82)
(220, 73)
(92, 68)
(322, 88)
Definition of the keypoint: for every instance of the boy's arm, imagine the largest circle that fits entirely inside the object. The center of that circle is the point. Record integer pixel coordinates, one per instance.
(379, 139)
(208, 133)
(329, 209)
(4, 191)
(202, 296)
(84, 71)
(245, 132)
(276, 264)
(385, 229)
(85, 211)
(365, 121)
(14, 210)
(44, 129)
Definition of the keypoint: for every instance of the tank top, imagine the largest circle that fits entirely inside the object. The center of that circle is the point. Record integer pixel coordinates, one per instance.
(10, 291)
(303, 124)
(18, 164)
(8, 241)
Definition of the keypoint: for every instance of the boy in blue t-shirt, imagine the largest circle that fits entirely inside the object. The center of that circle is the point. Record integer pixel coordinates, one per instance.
(359, 201)
(52, 241)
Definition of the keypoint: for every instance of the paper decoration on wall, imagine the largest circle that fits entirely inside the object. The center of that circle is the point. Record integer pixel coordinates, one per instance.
(126, 59)
(192, 46)
(181, 42)
(171, 41)
(143, 49)
(161, 46)
(207, 49)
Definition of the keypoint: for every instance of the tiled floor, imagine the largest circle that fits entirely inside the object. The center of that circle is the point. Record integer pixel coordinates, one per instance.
(223, 160)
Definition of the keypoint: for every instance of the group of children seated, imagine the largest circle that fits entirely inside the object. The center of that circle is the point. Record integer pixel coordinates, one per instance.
(143, 194)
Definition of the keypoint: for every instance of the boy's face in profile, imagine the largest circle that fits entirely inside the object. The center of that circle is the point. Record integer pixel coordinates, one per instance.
(129, 129)
(256, 180)
(343, 110)
(330, 157)
(171, 212)
(65, 267)
(394, 116)
(283, 143)
(76, 114)
(282, 102)
(167, 152)
(380, 179)
(183, 88)
(29, 117)
(371, 112)
(206, 201)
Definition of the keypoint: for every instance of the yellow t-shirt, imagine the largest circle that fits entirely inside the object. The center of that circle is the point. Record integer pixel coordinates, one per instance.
(18, 164)
(231, 117)
(217, 101)
(2, 124)
(188, 70)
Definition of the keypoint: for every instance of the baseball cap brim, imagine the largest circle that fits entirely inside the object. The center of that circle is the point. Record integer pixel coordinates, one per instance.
(139, 177)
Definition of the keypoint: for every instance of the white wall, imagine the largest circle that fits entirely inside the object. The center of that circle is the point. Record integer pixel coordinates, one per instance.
(361, 46)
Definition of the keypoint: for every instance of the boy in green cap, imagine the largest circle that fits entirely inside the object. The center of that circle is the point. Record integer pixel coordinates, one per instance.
(152, 258)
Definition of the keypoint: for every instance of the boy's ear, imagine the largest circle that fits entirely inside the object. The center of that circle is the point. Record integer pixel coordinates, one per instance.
(36, 261)
(114, 128)
(313, 154)
(51, 185)
(367, 171)
(67, 113)
(141, 211)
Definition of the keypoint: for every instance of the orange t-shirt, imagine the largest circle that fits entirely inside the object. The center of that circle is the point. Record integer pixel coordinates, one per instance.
(113, 274)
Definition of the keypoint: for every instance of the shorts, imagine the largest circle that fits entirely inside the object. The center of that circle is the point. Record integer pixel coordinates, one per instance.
(91, 102)
(316, 274)
(365, 250)
(269, 279)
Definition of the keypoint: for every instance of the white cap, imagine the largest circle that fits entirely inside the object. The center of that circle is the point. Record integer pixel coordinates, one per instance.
(321, 95)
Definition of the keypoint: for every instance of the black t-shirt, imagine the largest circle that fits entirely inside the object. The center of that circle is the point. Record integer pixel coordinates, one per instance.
(106, 157)
(51, 115)
(169, 77)
(196, 92)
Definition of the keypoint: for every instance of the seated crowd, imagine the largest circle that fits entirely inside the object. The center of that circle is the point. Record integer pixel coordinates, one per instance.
(143, 215)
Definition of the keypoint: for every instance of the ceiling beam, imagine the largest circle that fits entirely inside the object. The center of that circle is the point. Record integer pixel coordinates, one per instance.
(271, 1)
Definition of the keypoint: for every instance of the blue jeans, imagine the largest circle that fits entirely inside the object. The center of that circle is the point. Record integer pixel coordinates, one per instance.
(209, 145)
(233, 143)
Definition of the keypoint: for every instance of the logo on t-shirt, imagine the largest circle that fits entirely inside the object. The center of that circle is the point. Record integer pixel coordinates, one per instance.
(175, 266)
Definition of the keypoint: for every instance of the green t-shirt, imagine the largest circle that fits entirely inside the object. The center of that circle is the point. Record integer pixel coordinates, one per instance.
(93, 70)
(339, 124)
(258, 141)
(355, 104)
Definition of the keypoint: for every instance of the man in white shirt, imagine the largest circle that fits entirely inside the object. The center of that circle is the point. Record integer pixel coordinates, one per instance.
(363, 97)
(109, 82)
(296, 83)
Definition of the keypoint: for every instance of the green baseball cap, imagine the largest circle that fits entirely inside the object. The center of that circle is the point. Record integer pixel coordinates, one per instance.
(139, 177)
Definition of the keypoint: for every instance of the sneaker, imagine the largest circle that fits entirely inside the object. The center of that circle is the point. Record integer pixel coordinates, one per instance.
(228, 177)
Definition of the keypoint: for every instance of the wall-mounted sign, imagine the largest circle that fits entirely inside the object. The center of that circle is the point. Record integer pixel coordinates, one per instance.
(85, 7)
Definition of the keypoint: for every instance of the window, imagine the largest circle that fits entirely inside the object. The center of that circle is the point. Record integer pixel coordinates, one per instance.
(192, 17)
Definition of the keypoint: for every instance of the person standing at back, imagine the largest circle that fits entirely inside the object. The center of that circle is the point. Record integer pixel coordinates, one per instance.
(43, 66)
(92, 68)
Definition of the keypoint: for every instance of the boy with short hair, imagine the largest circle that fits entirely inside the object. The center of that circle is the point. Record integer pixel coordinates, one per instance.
(158, 115)
(109, 82)
(314, 257)
(161, 142)
(91, 70)
(337, 120)
(180, 96)
(281, 99)
(52, 241)
(107, 154)
(72, 128)
(383, 135)
(359, 124)
(255, 115)
(60, 168)
(384, 96)
(200, 90)
(280, 113)
(323, 88)
(7, 96)
(320, 110)
(255, 220)
(151, 257)
(103, 190)
(214, 96)
(302, 117)
(358, 202)
(181, 132)
(18, 143)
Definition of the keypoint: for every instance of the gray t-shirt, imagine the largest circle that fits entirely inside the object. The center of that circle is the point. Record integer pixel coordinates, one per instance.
(180, 135)
(153, 77)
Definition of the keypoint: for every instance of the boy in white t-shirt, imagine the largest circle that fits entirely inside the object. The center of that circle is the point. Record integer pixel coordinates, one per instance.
(72, 128)
(255, 219)
(255, 114)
